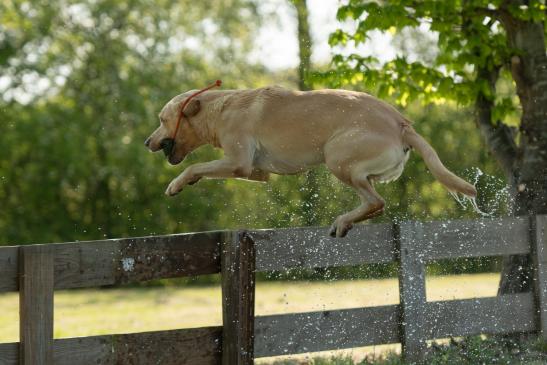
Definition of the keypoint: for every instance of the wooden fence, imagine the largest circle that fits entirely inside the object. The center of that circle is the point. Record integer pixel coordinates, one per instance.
(37, 270)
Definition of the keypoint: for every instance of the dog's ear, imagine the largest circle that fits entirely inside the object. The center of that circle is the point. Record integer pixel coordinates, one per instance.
(193, 107)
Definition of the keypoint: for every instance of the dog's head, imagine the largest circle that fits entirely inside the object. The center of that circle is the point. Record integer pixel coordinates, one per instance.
(186, 139)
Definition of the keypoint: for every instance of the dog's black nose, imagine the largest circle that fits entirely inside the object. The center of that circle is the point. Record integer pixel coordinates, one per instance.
(147, 142)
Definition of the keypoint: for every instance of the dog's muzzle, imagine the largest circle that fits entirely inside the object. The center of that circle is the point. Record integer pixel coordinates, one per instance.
(167, 145)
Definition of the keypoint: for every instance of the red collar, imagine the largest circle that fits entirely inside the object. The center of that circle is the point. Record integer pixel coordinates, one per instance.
(187, 100)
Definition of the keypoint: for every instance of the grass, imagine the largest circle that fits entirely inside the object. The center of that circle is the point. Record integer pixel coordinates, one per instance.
(476, 350)
(125, 310)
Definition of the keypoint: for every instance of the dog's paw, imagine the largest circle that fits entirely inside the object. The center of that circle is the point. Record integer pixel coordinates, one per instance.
(340, 229)
(332, 230)
(174, 188)
(179, 183)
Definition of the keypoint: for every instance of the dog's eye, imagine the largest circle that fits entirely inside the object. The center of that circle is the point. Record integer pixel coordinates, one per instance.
(162, 120)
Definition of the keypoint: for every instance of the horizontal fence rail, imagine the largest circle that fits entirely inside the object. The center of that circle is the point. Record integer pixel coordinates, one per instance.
(312, 247)
(238, 255)
(122, 261)
(174, 347)
(346, 328)
(289, 248)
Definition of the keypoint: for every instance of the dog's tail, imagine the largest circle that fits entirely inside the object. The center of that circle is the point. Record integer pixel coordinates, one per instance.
(453, 183)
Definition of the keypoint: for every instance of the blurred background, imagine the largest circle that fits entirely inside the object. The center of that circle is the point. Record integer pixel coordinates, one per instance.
(81, 84)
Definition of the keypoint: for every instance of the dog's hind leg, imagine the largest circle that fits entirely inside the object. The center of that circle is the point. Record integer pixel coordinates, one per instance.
(372, 205)
(353, 159)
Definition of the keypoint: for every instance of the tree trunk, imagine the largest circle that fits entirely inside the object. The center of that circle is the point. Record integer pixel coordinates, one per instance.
(529, 70)
(499, 138)
(310, 196)
(304, 43)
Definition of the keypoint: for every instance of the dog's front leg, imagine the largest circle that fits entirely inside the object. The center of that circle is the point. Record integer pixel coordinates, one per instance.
(237, 162)
(218, 169)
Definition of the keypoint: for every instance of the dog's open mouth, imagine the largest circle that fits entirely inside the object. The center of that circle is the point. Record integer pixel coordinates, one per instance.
(168, 147)
(174, 160)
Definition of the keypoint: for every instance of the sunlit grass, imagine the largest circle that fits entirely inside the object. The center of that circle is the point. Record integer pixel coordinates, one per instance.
(125, 310)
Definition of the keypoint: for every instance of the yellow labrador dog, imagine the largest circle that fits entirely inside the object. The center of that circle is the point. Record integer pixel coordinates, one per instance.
(361, 140)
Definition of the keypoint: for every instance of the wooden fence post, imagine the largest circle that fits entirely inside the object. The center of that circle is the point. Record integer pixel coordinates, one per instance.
(36, 305)
(238, 298)
(411, 291)
(539, 259)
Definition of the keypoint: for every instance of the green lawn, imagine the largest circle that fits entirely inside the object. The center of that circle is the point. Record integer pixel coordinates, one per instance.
(93, 311)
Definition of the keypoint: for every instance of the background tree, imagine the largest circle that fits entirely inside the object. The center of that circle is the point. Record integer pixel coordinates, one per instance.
(479, 44)
(310, 191)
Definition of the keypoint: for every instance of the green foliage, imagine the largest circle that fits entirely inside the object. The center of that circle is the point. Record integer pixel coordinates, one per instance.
(469, 36)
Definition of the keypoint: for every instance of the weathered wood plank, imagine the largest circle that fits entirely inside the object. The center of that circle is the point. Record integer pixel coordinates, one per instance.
(110, 262)
(9, 263)
(411, 291)
(89, 350)
(539, 258)
(179, 347)
(136, 259)
(9, 353)
(195, 346)
(36, 305)
(475, 238)
(502, 314)
(86, 264)
(283, 249)
(339, 329)
(238, 298)
(321, 331)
